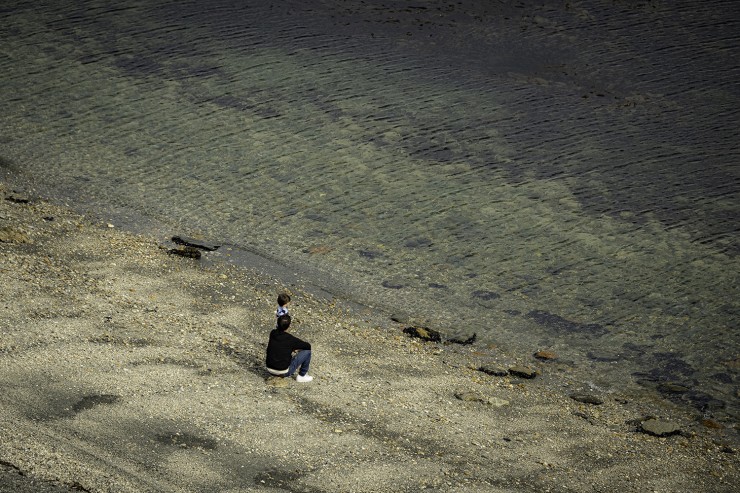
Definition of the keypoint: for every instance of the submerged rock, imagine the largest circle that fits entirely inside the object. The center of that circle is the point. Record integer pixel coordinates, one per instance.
(673, 388)
(423, 333)
(461, 339)
(587, 398)
(562, 325)
(485, 295)
(545, 355)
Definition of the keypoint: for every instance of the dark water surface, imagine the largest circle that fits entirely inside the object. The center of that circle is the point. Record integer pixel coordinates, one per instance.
(558, 175)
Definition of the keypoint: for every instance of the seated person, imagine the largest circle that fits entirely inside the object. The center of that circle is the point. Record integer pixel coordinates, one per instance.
(280, 360)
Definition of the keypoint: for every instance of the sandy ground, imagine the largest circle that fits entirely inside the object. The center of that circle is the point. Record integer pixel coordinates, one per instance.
(124, 368)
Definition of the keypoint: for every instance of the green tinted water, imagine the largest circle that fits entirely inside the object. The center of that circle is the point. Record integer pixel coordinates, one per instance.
(532, 176)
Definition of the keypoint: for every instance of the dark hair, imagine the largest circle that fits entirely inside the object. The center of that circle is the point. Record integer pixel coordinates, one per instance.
(283, 322)
(283, 298)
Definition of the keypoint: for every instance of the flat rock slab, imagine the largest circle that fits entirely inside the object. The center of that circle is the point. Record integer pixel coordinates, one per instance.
(659, 428)
(523, 371)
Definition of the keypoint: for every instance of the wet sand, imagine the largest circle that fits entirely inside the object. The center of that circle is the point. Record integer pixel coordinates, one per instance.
(124, 368)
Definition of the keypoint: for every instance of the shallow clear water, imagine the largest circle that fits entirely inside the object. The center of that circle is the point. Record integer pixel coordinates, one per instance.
(545, 174)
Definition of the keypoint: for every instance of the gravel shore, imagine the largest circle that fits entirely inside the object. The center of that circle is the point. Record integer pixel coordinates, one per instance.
(125, 368)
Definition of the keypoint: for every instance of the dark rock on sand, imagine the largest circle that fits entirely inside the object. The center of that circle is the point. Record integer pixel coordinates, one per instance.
(423, 333)
(659, 428)
(188, 252)
(193, 243)
(496, 371)
(523, 372)
(587, 398)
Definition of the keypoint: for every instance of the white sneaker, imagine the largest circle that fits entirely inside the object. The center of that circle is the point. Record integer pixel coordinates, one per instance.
(303, 378)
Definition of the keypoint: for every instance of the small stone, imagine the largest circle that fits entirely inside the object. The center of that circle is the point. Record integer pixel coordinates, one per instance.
(587, 398)
(659, 428)
(278, 382)
(523, 371)
(545, 355)
(468, 396)
(110, 225)
(496, 371)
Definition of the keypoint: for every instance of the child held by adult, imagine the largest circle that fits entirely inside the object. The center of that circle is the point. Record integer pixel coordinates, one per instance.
(280, 360)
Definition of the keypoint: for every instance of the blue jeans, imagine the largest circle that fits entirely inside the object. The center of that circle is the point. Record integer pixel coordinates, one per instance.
(301, 360)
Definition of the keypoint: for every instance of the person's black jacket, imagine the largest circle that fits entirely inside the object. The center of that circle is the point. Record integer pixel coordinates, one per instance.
(280, 349)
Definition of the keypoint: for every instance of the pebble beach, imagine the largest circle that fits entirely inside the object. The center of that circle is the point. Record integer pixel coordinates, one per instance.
(125, 368)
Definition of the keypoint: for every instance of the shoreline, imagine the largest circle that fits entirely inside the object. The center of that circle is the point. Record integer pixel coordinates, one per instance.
(126, 368)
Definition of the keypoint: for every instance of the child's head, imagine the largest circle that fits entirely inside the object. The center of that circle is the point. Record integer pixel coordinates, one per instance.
(283, 322)
(283, 299)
